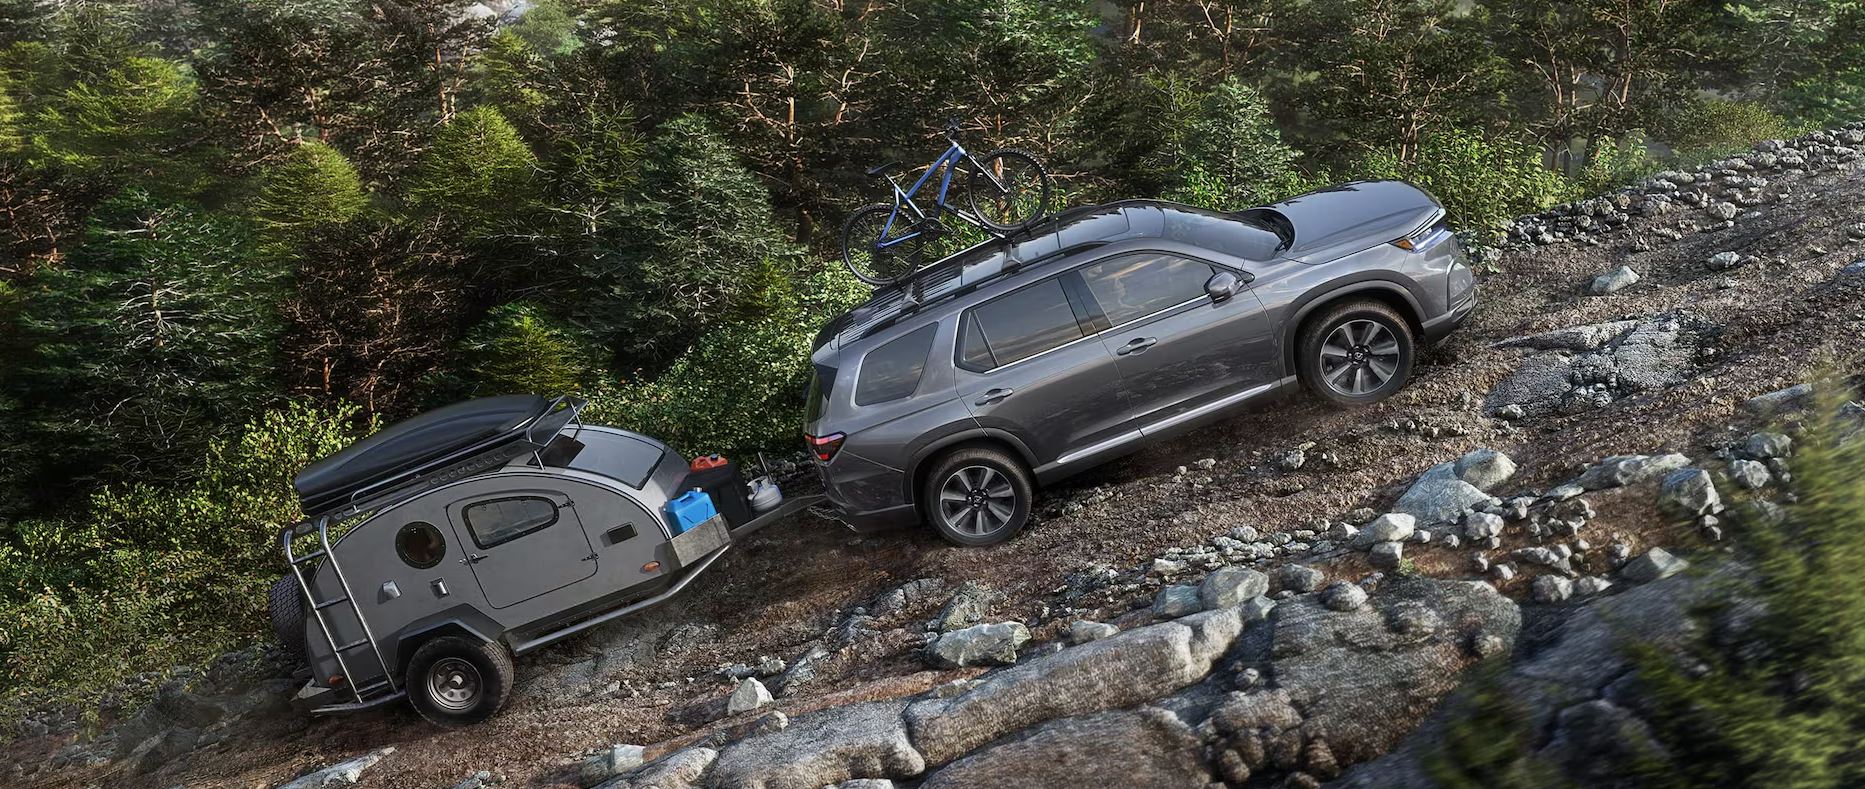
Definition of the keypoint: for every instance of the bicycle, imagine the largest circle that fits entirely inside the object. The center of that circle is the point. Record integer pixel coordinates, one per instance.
(883, 243)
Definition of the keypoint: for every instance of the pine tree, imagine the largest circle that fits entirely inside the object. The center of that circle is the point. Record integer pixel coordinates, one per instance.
(1222, 147)
(314, 185)
(478, 176)
(131, 122)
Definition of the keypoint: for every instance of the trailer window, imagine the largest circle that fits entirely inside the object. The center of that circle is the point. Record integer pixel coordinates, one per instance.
(503, 520)
(420, 545)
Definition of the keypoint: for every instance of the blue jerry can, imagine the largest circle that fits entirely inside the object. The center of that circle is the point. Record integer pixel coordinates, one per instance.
(691, 509)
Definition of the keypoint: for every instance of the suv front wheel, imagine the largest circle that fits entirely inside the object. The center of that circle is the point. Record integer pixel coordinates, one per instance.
(1357, 353)
(978, 496)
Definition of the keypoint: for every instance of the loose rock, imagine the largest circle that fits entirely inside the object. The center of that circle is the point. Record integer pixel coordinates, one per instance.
(993, 644)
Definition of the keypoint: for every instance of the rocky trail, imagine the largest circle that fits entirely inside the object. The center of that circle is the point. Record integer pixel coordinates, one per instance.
(1280, 598)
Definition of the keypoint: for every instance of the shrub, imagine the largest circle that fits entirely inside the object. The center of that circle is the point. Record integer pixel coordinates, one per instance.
(1613, 162)
(1780, 704)
(1710, 128)
(1222, 148)
(149, 577)
(1827, 100)
(479, 175)
(1483, 181)
(314, 185)
(517, 349)
(740, 388)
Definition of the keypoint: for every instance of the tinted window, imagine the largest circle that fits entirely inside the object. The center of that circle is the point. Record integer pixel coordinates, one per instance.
(1134, 286)
(504, 520)
(624, 458)
(420, 545)
(818, 396)
(1024, 323)
(892, 371)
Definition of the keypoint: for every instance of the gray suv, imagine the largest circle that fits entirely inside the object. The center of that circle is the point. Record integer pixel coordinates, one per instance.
(948, 397)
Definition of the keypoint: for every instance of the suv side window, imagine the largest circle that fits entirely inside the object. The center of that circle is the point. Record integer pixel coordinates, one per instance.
(503, 520)
(1017, 326)
(893, 370)
(1138, 285)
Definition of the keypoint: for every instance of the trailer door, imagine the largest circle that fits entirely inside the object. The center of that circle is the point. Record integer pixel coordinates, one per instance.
(523, 544)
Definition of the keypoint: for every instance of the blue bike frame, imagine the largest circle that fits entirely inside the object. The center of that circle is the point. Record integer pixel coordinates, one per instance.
(947, 161)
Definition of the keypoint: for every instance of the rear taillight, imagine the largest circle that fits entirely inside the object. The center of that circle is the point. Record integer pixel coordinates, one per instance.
(825, 447)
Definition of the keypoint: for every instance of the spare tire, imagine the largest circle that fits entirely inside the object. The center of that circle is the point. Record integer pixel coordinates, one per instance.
(287, 608)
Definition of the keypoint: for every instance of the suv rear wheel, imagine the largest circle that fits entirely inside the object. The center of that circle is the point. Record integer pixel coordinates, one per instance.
(455, 680)
(978, 496)
(1357, 353)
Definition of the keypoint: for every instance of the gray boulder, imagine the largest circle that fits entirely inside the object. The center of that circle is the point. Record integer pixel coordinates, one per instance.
(1144, 747)
(1484, 468)
(1082, 631)
(993, 644)
(1656, 564)
(1175, 601)
(748, 696)
(969, 605)
(1124, 670)
(1723, 261)
(1434, 499)
(681, 769)
(1620, 470)
(1612, 281)
(1386, 555)
(1688, 493)
(1390, 527)
(1749, 474)
(345, 773)
(1780, 401)
(1575, 339)
(1552, 589)
(1482, 525)
(1765, 445)
(865, 740)
(1300, 578)
(609, 763)
(1230, 586)
(1343, 596)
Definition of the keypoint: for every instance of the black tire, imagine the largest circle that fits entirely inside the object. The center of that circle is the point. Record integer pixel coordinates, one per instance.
(286, 605)
(1028, 195)
(458, 681)
(975, 521)
(1356, 353)
(862, 232)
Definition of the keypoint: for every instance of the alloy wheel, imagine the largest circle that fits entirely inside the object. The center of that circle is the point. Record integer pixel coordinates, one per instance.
(453, 684)
(977, 500)
(1359, 357)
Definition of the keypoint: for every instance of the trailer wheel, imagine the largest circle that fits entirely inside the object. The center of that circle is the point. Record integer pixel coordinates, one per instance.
(286, 605)
(457, 681)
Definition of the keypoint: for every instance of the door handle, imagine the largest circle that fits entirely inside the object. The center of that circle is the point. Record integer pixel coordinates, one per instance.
(995, 395)
(1136, 344)
(473, 558)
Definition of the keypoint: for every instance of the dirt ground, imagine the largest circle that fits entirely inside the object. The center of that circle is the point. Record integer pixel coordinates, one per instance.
(789, 585)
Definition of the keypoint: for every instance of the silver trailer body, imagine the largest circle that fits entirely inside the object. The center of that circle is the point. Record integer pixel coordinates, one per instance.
(566, 532)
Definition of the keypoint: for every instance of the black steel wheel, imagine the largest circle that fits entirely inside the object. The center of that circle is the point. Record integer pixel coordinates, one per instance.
(285, 604)
(978, 496)
(877, 260)
(1007, 189)
(1356, 353)
(457, 681)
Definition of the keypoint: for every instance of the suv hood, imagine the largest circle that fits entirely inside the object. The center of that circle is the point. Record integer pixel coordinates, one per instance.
(1340, 220)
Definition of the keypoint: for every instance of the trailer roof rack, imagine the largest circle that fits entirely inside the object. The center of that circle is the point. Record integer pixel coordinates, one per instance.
(432, 449)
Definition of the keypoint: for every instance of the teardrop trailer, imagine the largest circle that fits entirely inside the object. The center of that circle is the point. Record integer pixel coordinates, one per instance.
(441, 547)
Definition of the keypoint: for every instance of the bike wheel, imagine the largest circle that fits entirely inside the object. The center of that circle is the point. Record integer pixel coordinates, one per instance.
(1008, 189)
(862, 250)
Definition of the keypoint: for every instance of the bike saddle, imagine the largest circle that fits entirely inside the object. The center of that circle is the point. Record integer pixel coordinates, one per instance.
(881, 169)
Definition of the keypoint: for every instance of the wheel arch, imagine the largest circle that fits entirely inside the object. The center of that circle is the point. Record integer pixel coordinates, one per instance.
(924, 459)
(462, 621)
(1388, 292)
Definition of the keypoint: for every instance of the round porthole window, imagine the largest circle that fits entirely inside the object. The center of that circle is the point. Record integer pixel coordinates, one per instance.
(420, 545)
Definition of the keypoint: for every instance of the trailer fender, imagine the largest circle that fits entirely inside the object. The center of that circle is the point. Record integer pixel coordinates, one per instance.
(460, 620)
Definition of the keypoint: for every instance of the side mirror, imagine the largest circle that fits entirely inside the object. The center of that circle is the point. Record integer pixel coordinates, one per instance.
(1221, 286)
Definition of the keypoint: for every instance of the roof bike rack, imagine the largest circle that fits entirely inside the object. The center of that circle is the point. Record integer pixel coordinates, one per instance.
(348, 598)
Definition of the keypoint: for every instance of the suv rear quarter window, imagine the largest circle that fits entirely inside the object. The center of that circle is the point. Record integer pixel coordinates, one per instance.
(893, 370)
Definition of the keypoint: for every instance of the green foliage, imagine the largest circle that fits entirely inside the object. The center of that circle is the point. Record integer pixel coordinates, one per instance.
(517, 349)
(479, 175)
(1489, 744)
(740, 388)
(548, 27)
(1222, 148)
(147, 577)
(133, 121)
(1484, 182)
(314, 185)
(1614, 162)
(1780, 705)
(12, 130)
(1829, 99)
(159, 329)
(1710, 128)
